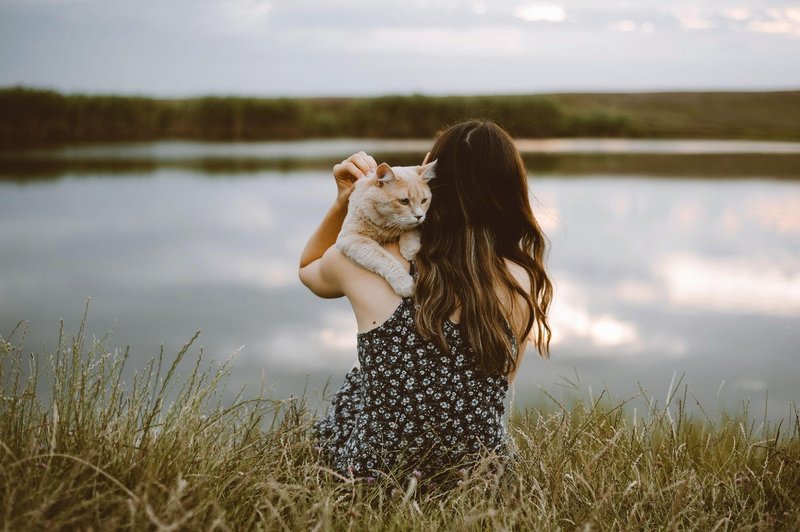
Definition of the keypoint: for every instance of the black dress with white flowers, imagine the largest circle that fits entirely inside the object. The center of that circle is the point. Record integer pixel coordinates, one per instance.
(410, 405)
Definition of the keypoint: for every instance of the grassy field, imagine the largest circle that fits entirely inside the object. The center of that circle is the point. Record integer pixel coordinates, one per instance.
(35, 117)
(80, 448)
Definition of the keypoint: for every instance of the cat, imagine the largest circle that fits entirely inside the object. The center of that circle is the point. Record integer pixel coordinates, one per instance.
(386, 205)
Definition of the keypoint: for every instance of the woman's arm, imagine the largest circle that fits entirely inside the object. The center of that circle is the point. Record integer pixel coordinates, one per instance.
(325, 235)
(315, 272)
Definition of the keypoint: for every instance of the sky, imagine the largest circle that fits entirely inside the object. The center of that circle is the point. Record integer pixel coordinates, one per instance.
(371, 47)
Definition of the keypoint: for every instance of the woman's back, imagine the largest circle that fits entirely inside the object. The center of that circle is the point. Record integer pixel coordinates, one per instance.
(412, 404)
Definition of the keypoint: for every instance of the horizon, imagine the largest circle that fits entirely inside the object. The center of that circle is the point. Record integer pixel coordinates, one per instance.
(324, 96)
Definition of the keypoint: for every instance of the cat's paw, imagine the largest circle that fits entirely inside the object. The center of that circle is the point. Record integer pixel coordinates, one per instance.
(404, 286)
(409, 254)
(410, 244)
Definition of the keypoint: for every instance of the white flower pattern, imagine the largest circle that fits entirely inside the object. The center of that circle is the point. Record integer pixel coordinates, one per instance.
(410, 404)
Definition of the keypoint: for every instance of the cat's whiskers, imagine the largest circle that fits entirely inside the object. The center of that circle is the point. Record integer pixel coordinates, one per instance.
(397, 227)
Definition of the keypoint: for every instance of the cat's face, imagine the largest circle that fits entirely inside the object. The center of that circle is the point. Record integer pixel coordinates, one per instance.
(398, 197)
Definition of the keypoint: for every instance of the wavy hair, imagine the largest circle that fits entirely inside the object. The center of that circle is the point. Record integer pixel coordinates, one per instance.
(479, 216)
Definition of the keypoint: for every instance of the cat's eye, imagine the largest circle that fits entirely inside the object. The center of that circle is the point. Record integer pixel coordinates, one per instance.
(424, 200)
(404, 201)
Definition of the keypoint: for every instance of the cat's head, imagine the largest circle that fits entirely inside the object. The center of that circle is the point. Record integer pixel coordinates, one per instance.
(397, 197)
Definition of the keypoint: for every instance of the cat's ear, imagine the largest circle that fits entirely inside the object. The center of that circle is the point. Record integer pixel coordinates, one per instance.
(384, 174)
(427, 171)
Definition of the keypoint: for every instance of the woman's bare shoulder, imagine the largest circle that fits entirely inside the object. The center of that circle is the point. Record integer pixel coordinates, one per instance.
(339, 266)
(352, 276)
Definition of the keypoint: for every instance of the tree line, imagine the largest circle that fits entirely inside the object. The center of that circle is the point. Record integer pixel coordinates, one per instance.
(38, 116)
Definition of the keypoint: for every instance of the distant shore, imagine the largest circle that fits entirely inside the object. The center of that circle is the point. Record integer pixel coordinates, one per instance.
(38, 117)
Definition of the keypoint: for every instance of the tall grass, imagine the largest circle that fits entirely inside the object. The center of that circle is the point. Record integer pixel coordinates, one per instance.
(35, 116)
(81, 447)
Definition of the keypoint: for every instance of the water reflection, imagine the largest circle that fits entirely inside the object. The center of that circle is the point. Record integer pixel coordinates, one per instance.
(328, 346)
(747, 286)
(571, 320)
(669, 157)
(652, 276)
(779, 214)
(580, 331)
(166, 150)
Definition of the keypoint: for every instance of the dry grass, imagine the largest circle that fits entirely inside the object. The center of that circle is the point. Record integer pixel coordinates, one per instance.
(82, 449)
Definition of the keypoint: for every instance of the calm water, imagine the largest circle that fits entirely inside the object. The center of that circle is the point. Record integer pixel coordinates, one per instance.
(654, 277)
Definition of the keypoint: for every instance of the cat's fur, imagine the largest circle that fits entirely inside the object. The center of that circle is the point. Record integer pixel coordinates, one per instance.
(376, 214)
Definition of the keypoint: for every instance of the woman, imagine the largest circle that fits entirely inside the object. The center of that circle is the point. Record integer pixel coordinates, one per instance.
(435, 368)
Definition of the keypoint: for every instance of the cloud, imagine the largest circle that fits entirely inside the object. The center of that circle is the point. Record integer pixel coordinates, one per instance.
(636, 292)
(360, 47)
(570, 318)
(629, 26)
(243, 16)
(326, 346)
(540, 12)
(429, 41)
(781, 214)
(776, 25)
(780, 20)
(733, 285)
(625, 26)
(738, 13)
(608, 331)
(694, 19)
(602, 334)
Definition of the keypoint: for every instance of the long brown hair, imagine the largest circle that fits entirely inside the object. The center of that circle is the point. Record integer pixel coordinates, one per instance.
(479, 216)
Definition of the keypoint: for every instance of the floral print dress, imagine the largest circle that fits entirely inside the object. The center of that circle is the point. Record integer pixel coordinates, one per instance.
(410, 405)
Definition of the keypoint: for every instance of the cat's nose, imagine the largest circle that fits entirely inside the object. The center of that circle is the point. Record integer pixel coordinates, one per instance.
(419, 217)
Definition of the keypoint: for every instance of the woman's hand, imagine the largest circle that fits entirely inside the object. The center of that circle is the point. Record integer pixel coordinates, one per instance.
(347, 172)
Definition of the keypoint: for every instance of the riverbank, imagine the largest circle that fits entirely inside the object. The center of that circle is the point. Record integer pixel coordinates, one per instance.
(33, 117)
(81, 448)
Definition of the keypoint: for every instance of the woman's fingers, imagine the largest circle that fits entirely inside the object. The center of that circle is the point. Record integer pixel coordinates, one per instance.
(372, 164)
(355, 167)
(364, 162)
(347, 171)
(351, 170)
(425, 161)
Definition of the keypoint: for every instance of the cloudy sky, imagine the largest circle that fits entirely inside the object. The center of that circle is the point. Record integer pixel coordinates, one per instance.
(316, 47)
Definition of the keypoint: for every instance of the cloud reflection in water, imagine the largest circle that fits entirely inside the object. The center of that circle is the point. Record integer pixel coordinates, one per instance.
(738, 285)
(653, 276)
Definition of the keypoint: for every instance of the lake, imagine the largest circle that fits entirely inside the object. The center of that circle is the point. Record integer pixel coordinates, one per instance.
(669, 258)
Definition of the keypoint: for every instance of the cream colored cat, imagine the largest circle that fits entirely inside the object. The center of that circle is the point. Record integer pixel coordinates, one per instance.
(386, 206)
